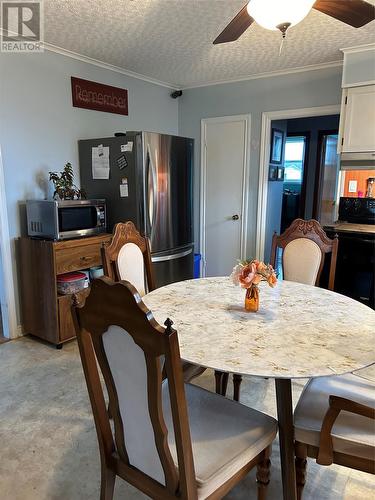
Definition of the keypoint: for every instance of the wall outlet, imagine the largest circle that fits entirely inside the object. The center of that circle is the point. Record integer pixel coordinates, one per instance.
(352, 186)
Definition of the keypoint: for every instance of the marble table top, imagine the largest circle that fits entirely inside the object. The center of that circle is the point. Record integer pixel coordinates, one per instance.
(299, 330)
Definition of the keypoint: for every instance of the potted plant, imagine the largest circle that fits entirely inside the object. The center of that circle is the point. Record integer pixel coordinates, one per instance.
(65, 189)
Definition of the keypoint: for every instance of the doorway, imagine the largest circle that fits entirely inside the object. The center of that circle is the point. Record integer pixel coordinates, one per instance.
(307, 154)
(264, 161)
(224, 179)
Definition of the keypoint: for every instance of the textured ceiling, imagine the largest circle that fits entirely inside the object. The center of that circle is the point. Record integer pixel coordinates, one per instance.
(171, 40)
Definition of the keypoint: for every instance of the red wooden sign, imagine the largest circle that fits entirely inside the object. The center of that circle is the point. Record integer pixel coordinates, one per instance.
(100, 97)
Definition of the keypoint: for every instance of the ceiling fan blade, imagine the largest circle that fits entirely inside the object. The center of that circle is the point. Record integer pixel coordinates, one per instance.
(236, 27)
(356, 13)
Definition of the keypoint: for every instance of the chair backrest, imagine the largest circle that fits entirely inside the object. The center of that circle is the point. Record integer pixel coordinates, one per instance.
(127, 257)
(304, 246)
(117, 332)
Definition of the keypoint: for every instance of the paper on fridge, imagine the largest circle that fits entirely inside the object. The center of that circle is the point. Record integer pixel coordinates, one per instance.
(100, 162)
(127, 147)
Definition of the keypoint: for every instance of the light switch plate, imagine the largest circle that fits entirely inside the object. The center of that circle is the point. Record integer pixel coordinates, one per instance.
(352, 186)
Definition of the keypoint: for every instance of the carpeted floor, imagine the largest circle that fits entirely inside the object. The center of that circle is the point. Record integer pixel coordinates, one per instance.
(48, 446)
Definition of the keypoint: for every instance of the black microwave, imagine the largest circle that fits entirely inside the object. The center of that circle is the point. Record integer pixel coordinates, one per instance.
(62, 220)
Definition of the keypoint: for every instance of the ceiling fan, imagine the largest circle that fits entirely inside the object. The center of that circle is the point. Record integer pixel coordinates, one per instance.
(282, 14)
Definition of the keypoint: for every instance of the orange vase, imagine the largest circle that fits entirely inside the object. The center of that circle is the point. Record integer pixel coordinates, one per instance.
(252, 299)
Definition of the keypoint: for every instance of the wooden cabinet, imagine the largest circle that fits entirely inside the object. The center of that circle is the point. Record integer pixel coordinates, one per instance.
(45, 313)
(357, 120)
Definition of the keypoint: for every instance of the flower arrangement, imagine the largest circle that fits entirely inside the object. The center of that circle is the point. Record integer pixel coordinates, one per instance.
(248, 275)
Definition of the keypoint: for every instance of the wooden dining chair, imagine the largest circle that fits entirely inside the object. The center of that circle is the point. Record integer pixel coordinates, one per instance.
(305, 245)
(334, 423)
(127, 257)
(171, 440)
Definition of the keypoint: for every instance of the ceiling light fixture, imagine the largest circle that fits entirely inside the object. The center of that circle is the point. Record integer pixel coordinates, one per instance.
(279, 14)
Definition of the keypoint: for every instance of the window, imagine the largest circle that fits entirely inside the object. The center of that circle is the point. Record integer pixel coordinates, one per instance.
(294, 159)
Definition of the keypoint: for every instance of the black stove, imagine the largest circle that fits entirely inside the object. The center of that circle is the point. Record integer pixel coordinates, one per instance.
(356, 251)
(357, 210)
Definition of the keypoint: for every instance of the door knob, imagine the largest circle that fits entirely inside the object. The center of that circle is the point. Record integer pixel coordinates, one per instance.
(235, 217)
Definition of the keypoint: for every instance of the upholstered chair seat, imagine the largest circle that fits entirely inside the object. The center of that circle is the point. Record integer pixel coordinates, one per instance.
(334, 423)
(301, 261)
(127, 257)
(352, 434)
(225, 435)
(130, 265)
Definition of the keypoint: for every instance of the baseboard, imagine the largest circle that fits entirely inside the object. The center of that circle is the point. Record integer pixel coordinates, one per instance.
(19, 331)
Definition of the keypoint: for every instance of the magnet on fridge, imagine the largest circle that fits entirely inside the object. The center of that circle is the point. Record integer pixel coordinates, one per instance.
(124, 189)
(122, 162)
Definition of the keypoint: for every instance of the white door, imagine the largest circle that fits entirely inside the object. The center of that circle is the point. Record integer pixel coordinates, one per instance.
(359, 134)
(224, 168)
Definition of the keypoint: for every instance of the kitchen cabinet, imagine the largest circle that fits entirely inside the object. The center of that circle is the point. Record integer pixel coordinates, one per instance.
(45, 313)
(357, 120)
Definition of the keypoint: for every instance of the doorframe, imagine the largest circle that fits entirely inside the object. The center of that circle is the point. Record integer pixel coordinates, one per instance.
(245, 183)
(265, 145)
(9, 316)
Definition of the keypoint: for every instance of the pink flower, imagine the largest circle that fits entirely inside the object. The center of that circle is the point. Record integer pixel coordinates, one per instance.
(248, 276)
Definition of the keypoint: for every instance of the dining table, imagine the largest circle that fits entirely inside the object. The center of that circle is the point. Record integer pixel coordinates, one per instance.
(299, 332)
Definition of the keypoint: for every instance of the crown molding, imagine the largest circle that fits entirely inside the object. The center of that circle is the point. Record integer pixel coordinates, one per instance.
(173, 86)
(268, 74)
(101, 64)
(111, 67)
(358, 48)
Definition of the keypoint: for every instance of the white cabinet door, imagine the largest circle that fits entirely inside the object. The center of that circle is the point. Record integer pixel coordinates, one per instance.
(359, 120)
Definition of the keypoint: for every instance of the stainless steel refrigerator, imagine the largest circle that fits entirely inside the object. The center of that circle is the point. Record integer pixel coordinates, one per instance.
(147, 178)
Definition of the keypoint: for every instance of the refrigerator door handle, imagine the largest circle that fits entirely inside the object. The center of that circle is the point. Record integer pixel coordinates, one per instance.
(151, 192)
(173, 256)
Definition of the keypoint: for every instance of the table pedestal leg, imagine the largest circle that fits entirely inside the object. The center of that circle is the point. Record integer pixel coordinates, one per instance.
(221, 382)
(286, 437)
(237, 379)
